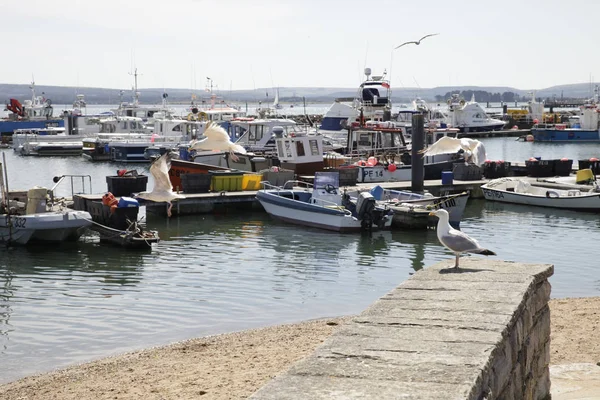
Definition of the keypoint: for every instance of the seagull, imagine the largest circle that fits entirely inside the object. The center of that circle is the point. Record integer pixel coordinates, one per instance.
(217, 139)
(474, 149)
(455, 240)
(418, 42)
(162, 190)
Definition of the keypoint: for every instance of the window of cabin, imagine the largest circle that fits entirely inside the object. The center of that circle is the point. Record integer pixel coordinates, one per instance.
(300, 149)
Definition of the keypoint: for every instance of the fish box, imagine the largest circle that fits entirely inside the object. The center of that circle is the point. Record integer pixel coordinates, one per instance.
(540, 168)
(196, 183)
(464, 172)
(228, 181)
(563, 167)
(278, 178)
(126, 185)
(251, 181)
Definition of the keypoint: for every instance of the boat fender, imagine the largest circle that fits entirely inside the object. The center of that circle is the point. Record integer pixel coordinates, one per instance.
(108, 199)
(551, 194)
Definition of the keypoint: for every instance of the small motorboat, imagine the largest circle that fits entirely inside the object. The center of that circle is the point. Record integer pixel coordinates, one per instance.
(411, 210)
(519, 191)
(116, 222)
(31, 216)
(324, 206)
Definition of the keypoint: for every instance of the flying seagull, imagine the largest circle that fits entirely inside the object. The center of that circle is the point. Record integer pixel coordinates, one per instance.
(418, 42)
(217, 139)
(455, 240)
(474, 150)
(162, 190)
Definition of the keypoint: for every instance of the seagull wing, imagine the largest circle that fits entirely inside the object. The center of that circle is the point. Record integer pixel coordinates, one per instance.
(460, 242)
(405, 43)
(215, 132)
(479, 154)
(160, 171)
(431, 34)
(445, 145)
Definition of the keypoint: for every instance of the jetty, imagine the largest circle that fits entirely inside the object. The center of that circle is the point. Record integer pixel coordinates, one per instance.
(482, 332)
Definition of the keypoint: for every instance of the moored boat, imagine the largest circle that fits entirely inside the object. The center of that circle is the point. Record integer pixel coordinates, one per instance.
(519, 191)
(323, 206)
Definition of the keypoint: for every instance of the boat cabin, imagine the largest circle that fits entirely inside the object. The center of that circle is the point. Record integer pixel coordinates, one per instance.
(303, 154)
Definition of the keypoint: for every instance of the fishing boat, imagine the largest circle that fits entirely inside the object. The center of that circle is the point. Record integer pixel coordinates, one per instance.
(586, 128)
(519, 191)
(36, 113)
(411, 209)
(36, 216)
(323, 205)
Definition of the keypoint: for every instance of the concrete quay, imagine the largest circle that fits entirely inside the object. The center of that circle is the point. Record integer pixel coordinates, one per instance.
(479, 333)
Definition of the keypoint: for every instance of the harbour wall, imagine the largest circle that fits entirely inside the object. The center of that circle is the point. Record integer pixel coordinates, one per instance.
(482, 332)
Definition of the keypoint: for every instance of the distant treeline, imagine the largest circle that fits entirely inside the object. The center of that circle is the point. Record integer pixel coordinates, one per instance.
(482, 96)
(61, 95)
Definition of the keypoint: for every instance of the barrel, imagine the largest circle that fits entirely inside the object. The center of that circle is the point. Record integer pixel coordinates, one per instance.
(447, 177)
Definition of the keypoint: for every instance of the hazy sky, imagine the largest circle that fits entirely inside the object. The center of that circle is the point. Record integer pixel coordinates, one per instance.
(526, 44)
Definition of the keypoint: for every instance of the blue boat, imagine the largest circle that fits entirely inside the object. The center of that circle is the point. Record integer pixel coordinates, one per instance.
(585, 129)
(32, 114)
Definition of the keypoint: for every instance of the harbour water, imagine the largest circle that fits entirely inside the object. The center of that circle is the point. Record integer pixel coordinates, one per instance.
(211, 274)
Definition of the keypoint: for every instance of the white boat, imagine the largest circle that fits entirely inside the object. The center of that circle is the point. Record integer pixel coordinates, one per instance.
(469, 116)
(372, 103)
(519, 191)
(323, 206)
(32, 216)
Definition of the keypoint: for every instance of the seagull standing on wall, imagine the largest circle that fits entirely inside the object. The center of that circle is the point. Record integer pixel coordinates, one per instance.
(417, 42)
(162, 190)
(455, 240)
(217, 139)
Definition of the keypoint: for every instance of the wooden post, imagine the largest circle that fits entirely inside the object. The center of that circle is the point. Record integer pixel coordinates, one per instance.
(418, 161)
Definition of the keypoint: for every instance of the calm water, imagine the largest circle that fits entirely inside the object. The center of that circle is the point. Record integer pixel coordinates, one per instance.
(219, 273)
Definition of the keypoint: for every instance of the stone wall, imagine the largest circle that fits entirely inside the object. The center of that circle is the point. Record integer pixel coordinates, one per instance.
(482, 332)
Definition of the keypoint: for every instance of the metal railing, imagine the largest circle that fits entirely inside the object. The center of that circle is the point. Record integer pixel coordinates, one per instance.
(59, 179)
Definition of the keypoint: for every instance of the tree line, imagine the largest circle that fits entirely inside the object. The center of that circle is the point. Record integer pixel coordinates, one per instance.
(483, 96)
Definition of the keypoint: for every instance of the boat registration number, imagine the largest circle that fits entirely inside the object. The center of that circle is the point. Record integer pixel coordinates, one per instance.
(493, 194)
(16, 221)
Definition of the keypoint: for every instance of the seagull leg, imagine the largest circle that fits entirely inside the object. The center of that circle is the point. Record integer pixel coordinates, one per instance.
(169, 209)
(233, 156)
(456, 263)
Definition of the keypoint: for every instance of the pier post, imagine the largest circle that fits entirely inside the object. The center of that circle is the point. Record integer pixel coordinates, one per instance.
(417, 159)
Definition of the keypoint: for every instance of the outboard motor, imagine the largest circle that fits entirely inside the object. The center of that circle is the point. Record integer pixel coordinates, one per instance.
(365, 205)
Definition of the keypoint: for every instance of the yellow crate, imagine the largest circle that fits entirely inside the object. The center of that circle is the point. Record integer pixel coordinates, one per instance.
(251, 181)
(228, 183)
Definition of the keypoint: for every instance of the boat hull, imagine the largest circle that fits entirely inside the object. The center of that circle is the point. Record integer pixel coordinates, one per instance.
(548, 197)
(44, 227)
(8, 127)
(302, 213)
(565, 135)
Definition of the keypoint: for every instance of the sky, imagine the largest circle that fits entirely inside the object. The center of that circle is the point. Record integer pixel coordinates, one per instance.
(238, 44)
